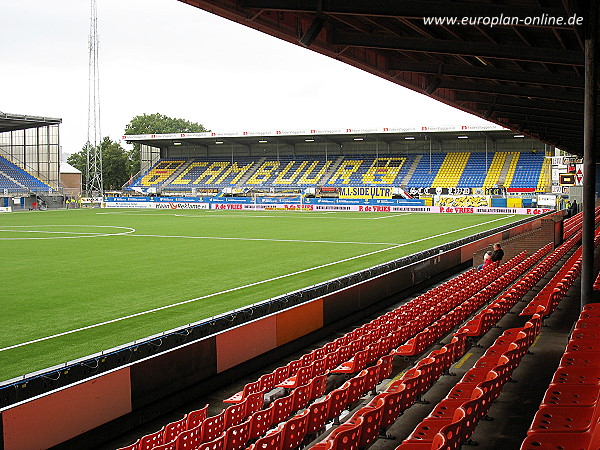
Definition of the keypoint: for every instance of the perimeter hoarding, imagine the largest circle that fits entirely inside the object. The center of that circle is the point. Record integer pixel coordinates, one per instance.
(313, 204)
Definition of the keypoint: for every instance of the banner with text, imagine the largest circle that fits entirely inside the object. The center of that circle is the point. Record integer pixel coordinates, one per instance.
(366, 192)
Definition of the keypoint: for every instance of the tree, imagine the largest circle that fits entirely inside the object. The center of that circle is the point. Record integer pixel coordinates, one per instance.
(157, 124)
(116, 165)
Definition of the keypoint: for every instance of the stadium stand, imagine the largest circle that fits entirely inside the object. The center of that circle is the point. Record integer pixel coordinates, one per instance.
(451, 170)
(302, 406)
(15, 179)
(457, 169)
(568, 414)
(477, 171)
(527, 171)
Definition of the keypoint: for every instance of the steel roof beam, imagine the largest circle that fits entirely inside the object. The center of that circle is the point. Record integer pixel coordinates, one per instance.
(521, 103)
(408, 9)
(486, 73)
(513, 91)
(453, 48)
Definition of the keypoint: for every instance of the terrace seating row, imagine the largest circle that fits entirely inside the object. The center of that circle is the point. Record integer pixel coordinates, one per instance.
(483, 321)
(453, 420)
(478, 169)
(569, 414)
(573, 224)
(14, 177)
(554, 291)
(451, 170)
(459, 425)
(418, 379)
(373, 340)
(438, 169)
(505, 302)
(371, 420)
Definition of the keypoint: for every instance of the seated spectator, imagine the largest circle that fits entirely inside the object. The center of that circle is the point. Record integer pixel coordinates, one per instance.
(498, 253)
(487, 260)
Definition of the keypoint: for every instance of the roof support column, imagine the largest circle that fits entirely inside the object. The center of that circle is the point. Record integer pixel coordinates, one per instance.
(589, 163)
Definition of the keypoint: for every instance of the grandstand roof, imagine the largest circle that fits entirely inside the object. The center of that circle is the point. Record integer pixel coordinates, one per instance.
(11, 122)
(340, 136)
(526, 75)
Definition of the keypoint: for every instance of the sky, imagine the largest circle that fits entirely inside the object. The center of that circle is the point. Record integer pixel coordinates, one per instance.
(163, 56)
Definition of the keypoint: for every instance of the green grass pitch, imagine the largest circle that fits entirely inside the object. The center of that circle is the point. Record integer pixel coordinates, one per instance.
(65, 271)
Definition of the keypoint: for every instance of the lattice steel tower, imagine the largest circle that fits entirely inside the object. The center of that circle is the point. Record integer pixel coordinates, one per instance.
(94, 187)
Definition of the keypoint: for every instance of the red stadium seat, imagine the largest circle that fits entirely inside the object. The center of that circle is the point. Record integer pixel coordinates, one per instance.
(393, 405)
(190, 439)
(317, 417)
(356, 388)
(249, 388)
(167, 446)
(237, 436)
(347, 437)
(281, 374)
(151, 440)
(557, 441)
(386, 366)
(318, 386)
(301, 396)
(213, 427)
(301, 378)
(572, 395)
(235, 414)
(372, 415)
(282, 408)
(272, 441)
(563, 418)
(254, 402)
(267, 381)
(336, 402)
(355, 364)
(261, 421)
(294, 430)
(195, 418)
(371, 378)
(216, 444)
(173, 429)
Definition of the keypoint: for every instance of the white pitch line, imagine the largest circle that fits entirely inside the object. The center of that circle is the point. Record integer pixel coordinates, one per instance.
(218, 238)
(79, 235)
(295, 215)
(52, 232)
(391, 217)
(257, 283)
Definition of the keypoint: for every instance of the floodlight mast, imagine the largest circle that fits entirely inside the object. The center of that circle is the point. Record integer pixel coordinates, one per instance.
(94, 184)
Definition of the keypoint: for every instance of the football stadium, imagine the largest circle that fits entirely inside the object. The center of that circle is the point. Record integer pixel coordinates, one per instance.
(430, 287)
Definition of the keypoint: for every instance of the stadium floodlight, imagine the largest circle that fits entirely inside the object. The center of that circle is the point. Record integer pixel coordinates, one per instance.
(519, 136)
(409, 138)
(262, 141)
(176, 143)
(309, 140)
(218, 142)
(462, 137)
(359, 139)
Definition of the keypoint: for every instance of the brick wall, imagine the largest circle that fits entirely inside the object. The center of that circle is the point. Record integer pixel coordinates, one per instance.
(529, 242)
